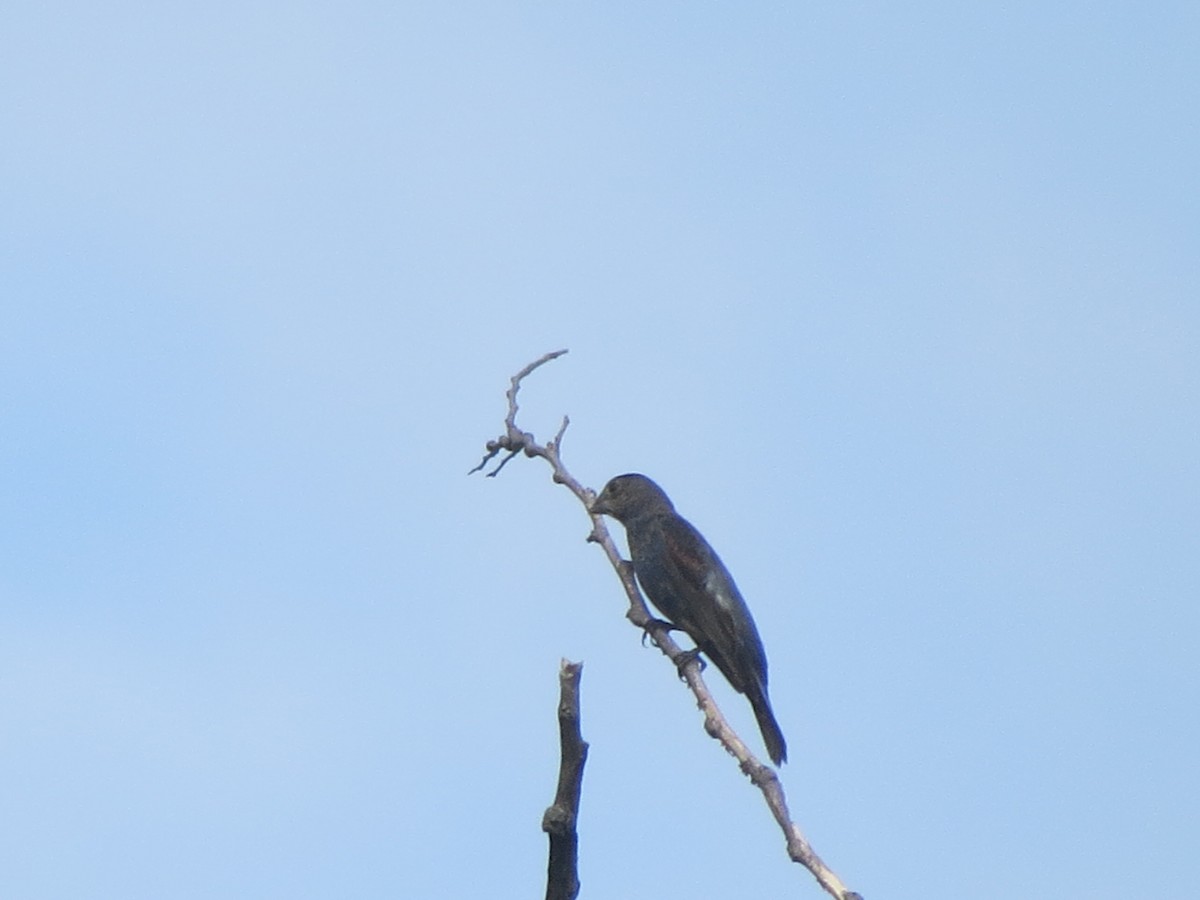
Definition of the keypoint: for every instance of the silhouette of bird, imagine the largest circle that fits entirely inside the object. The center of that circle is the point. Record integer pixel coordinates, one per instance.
(686, 580)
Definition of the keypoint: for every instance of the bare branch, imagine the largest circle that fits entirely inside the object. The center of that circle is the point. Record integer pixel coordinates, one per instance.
(557, 442)
(559, 820)
(514, 440)
(762, 776)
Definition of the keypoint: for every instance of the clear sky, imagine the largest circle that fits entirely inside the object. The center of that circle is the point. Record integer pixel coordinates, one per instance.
(899, 302)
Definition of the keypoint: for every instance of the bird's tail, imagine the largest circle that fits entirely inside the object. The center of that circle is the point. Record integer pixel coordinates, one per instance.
(772, 735)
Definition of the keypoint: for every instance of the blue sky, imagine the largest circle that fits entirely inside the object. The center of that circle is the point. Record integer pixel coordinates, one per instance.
(901, 305)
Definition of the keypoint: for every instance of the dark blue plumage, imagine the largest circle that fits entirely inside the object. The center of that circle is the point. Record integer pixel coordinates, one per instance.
(686, 580)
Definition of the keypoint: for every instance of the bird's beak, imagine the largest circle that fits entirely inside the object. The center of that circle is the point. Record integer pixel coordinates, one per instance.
(599, 506)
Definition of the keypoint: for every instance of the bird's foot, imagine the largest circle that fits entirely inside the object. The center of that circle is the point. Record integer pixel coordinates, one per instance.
(687, 656)
(656, 623)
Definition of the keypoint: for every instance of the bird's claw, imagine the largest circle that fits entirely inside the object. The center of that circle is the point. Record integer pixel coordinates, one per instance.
(655, 623)
(687, 656)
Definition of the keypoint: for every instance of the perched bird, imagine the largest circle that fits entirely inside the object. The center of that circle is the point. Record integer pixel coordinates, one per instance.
(686, 580)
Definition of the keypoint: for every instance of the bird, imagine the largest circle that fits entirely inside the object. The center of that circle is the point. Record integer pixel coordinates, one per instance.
(687, 582)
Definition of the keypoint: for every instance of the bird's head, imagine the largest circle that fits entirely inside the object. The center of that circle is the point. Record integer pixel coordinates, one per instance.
(629, 496)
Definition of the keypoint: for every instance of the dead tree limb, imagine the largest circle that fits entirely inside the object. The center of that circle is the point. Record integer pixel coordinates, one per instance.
(514, 441)
(560, 818)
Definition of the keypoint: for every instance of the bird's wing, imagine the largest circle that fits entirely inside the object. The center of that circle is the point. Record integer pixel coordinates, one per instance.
(714, 613)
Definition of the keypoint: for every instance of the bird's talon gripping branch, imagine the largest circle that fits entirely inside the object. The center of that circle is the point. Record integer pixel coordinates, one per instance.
(687, 656)
(651, 625)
